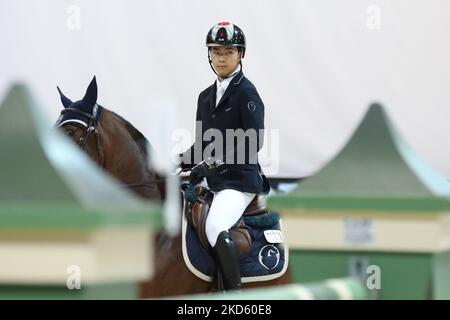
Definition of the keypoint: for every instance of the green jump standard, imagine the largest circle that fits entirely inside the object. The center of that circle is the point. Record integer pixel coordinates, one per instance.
(376, 209)
(67, 229)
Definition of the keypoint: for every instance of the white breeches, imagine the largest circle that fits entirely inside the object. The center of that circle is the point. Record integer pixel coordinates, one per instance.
(226, 209)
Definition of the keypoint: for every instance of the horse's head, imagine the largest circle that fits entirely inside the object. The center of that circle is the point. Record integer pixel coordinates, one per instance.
(111, 141)
(80, 120)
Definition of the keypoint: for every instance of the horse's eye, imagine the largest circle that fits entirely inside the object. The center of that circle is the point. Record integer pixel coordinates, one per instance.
(70, 133)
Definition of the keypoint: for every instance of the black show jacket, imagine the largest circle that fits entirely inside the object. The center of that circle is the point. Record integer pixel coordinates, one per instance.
(239, 108)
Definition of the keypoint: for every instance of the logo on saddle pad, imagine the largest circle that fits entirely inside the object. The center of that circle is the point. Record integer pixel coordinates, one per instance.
(269, 256)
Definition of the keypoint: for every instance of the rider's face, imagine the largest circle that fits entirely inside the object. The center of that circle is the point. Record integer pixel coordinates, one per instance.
(225, 60)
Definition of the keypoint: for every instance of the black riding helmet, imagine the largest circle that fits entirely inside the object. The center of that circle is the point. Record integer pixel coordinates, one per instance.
(225, 34)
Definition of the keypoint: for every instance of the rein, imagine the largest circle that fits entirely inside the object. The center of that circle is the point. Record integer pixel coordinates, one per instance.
(148, 184)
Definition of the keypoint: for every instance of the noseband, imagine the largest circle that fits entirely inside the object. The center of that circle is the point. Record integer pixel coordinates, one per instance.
(90, 131)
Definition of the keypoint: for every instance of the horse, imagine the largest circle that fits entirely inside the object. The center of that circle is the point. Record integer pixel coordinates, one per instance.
(122, 151)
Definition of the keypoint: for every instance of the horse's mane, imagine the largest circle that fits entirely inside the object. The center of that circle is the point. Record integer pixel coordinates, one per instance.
(138, 137)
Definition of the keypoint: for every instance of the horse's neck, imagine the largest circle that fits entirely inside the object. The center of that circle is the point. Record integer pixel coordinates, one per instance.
(125, 157)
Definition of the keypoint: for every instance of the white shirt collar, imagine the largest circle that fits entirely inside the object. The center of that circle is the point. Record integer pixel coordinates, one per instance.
(224, 84)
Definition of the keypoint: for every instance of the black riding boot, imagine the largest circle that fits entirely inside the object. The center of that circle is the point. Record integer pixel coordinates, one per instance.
(227, 261)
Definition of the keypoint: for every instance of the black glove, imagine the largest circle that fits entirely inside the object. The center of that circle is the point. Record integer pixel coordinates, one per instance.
(198, 173)
(206, 168)
(191, 194)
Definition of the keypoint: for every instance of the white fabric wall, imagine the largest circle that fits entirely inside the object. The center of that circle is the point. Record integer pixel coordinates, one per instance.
(316, 64)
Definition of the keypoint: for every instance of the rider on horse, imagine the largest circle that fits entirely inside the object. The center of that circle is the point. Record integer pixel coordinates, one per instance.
(230, 106)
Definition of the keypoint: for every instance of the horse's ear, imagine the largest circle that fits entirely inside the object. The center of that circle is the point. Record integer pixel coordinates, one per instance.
(90, 98)
(65, 101)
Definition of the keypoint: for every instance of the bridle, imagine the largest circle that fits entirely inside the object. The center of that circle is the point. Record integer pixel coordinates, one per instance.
(90, 131)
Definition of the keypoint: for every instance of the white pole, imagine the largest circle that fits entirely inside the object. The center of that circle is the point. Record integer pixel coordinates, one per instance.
(164, 124)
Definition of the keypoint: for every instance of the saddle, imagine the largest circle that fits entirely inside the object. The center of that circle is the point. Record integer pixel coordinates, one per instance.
(197, 213)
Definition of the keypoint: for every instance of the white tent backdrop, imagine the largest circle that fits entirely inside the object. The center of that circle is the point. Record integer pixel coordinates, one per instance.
(317, 65)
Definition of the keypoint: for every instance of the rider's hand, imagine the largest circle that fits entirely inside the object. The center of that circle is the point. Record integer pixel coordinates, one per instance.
(198, 173)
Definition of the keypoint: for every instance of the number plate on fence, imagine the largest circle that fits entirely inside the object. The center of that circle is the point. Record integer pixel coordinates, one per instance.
(358, 230)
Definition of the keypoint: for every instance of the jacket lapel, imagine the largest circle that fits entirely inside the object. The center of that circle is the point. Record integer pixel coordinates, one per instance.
(230, 90)
(212, 97)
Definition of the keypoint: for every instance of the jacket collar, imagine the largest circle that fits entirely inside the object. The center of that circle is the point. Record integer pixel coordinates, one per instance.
(235, 82)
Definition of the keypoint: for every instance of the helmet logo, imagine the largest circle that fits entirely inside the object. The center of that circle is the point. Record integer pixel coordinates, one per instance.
(223, 32)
